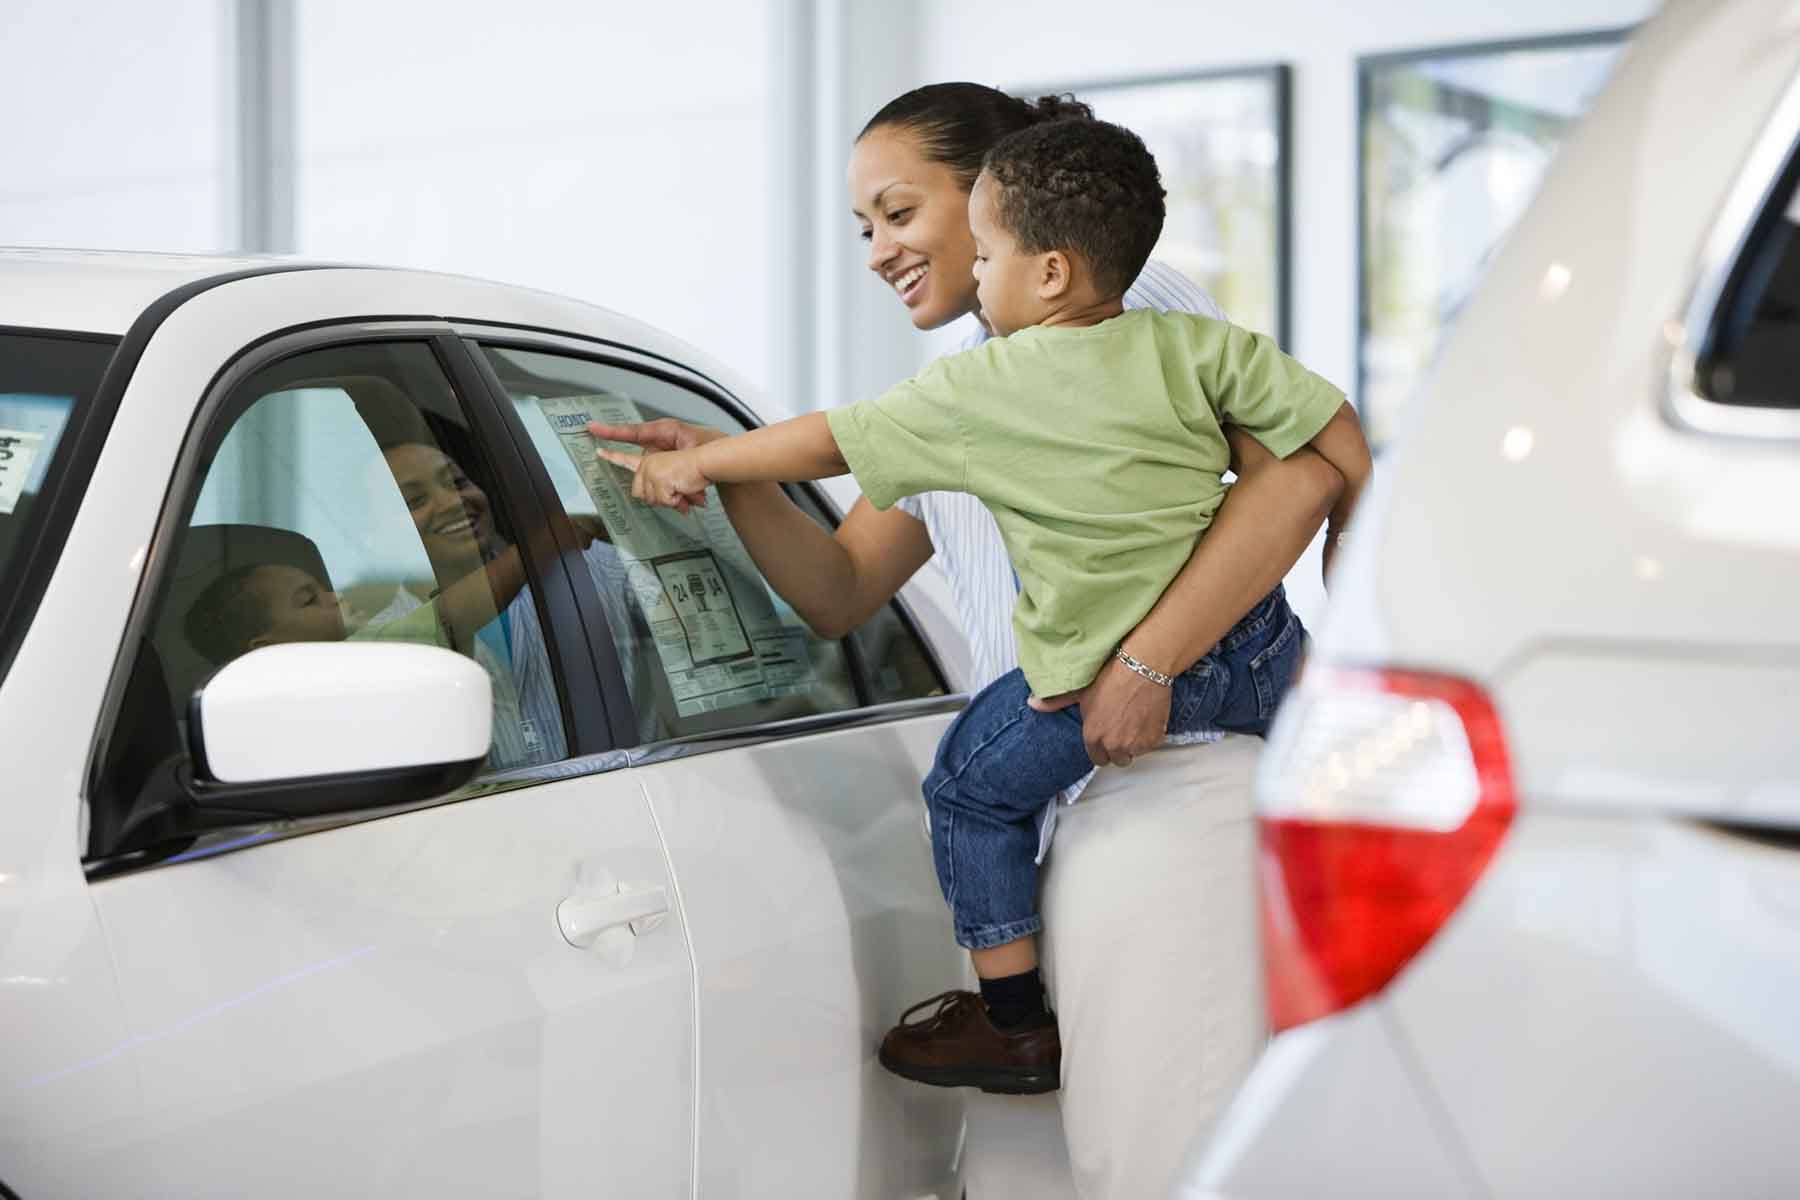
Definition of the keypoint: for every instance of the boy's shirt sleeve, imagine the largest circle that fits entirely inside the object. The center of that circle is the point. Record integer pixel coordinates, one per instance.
(906, 441)
(1256, 387)
(420, 626)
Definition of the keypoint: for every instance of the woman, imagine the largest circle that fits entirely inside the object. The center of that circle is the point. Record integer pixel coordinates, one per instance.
(1130, 1106)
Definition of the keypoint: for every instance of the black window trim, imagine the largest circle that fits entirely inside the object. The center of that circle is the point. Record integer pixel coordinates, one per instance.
(598, 351)
(578, 687)
(1757, 197)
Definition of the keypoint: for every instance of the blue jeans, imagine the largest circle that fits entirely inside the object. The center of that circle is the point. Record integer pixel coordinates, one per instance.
(1001, 761)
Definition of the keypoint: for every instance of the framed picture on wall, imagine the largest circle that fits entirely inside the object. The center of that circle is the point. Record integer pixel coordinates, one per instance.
(1221, 143)
(1453, 143)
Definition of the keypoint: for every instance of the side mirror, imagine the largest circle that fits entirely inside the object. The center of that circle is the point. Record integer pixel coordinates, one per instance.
(309, 729)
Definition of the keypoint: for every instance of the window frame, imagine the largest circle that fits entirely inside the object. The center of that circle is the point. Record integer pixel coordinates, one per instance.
(591, 747)
(1758, 196)
(612, 354)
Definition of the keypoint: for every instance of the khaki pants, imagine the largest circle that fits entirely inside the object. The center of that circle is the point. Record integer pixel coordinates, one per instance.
(1150, 952)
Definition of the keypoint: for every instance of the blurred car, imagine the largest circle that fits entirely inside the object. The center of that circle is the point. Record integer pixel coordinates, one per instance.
(1530, 828)
(306, 891)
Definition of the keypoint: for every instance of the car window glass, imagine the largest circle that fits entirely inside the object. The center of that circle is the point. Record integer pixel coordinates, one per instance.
(714, 646)
(43, 380)
(1754, 359)
(343, 497)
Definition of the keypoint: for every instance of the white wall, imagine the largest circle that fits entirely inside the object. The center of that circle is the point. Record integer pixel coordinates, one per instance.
(615, 152)
(117, 129)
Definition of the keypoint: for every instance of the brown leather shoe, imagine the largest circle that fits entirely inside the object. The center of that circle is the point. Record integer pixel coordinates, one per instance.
(958, 1046)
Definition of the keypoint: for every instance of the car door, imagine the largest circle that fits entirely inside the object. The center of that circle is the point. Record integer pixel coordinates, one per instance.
(783, 771)
(490, 994)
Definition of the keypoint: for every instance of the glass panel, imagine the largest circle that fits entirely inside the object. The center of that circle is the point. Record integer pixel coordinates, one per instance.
(717, 647)
(1755, 359)
(348, 500)
(1454, 145)
(42, 381)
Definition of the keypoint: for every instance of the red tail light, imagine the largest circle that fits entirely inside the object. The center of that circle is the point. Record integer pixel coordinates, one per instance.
(1382, 797)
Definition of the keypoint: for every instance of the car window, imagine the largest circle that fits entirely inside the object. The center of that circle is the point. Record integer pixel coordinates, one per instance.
(342, 496)
(1754, 356)
(43, 381)
(716, 647)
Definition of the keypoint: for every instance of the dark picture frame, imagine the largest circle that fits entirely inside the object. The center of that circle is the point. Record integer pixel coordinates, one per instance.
(1452, 142)
(1200, 126)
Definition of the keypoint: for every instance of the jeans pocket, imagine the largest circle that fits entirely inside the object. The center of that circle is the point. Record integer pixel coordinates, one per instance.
(1274, 667)
(1198, 693)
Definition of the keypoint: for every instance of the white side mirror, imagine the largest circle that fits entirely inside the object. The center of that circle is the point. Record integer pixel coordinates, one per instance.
(303, 710)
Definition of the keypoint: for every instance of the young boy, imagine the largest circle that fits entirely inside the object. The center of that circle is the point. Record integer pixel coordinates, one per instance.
(1093, 436)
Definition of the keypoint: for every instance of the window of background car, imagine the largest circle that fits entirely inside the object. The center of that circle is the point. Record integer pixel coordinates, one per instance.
(719, 648)
(42, 381)
(344, 497)
(1753, 359)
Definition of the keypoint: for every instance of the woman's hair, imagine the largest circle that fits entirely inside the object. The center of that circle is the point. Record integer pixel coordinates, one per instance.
(958, 123)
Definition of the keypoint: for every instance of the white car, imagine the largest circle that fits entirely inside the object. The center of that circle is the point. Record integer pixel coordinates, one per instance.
(332, 864)
(1530, 828)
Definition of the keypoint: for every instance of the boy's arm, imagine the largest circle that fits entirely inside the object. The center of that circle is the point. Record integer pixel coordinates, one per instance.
(1341, 443)
(790, 451)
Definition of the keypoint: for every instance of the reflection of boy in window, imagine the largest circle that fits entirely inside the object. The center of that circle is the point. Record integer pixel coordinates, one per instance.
(268, 604)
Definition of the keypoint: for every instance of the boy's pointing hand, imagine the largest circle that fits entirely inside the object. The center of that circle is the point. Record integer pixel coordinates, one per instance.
(669, 480)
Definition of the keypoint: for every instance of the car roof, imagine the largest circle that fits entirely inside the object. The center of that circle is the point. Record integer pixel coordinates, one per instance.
(105, 291)
(98, 291)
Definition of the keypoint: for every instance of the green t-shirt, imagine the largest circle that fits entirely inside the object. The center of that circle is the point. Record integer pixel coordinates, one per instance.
(1098, 449)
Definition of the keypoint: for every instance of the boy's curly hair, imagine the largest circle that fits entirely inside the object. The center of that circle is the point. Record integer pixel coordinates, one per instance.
(1082, 185)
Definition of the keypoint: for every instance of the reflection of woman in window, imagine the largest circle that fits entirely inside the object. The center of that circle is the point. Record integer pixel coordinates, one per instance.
(484, 607)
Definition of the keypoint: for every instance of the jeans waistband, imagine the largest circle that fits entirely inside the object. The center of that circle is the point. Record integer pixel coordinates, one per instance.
(1269, 609)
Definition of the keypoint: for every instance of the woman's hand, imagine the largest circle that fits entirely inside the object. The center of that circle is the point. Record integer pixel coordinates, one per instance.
(1123, 714)
(664, 434)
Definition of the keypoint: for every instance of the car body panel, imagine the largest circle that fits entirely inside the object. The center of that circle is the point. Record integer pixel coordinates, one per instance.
(100, 291)
(818, 904)
(1611, 1011)
(1303, 1124)
(390, 1005)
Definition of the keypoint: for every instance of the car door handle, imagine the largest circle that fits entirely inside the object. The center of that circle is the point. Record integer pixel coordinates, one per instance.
(583, 919)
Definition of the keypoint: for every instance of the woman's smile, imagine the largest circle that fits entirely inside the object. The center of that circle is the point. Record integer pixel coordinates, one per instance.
(910, 284)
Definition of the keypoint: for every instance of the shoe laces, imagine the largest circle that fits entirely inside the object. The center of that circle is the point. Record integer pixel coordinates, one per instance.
(948, 1003)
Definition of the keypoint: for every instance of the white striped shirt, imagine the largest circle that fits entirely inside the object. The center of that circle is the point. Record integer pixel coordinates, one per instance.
(966, 543)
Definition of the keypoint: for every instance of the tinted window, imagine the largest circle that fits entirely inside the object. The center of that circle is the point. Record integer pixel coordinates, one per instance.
(1754, 356)
(43, 381)
(344, 497)
(718, 648)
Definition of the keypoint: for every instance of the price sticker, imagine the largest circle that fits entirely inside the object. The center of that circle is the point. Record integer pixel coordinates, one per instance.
(18, 451)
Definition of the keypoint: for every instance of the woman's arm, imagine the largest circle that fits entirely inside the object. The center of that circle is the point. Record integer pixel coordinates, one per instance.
(835, 582)
(1266, 522)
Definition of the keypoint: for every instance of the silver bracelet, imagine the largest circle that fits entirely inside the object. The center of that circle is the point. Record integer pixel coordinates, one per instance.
(1151, 673)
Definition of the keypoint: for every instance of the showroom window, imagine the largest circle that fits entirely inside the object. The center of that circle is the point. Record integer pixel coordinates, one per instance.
(713, 646)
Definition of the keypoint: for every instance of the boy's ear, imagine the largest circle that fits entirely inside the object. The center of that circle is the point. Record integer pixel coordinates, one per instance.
(1055, 276)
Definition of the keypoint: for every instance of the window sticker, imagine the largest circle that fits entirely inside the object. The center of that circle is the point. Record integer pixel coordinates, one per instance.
(719, 636)
(18, 451)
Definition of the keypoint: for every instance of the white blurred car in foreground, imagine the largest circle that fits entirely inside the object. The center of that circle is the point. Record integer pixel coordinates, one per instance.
(291, 922)
(1530, 830)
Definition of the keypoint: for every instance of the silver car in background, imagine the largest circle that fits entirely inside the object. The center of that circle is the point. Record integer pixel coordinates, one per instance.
(1530, 829)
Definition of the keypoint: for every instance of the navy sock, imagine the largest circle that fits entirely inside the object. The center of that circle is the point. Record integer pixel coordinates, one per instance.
(1015, 1001)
